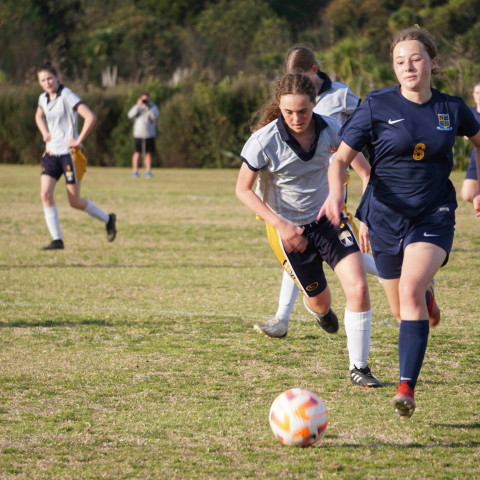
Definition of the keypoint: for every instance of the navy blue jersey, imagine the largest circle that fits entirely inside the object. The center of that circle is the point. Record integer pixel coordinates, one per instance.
(410, 152)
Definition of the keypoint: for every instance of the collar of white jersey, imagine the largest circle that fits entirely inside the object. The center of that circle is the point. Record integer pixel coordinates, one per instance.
(327, 83)
(291, 141)
(59, 92)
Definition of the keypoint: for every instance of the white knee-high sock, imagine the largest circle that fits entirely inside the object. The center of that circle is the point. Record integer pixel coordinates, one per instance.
(96, 212)
(53, 223)
(357, 327)
(370, 264)
(288, 296)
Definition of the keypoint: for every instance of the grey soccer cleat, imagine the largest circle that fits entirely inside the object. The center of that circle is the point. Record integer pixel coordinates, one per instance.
(274, 328)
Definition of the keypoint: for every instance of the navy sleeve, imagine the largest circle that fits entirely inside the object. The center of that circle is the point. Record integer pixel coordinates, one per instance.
(357, 131)
(468, 125)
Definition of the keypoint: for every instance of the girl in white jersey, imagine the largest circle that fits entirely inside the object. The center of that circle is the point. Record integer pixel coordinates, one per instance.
(336, 100)
(56, 118)
(290, 154)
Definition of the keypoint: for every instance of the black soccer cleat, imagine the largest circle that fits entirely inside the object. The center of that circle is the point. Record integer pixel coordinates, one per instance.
(111, 227)
(54, 245)
(364, 378)
(328, 321)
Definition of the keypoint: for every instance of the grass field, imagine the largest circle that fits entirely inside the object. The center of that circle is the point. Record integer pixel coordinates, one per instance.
(138, 360)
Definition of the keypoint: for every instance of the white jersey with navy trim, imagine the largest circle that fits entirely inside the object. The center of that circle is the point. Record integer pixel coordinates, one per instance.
(292, 182)
(335, 99)
(410, 152)
(62, 118)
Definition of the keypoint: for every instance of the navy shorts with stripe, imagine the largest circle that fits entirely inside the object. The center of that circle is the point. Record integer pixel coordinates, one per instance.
(57, 165)
(325, 243)
(437, 228)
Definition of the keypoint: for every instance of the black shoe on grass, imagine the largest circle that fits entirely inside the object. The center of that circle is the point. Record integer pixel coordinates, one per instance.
(54, 245)
(364, 378)
(111, 227)
(328, 321)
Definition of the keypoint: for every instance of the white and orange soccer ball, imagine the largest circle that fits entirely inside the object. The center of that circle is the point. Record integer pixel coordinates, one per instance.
(298, 417)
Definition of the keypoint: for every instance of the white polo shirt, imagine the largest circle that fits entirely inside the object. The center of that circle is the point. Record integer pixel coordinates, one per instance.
(62, 118)
(292, 182)
(335, 99)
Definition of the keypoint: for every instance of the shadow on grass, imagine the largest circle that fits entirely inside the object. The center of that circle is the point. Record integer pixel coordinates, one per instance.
(459, 425)
(53, 323)
(406, 446)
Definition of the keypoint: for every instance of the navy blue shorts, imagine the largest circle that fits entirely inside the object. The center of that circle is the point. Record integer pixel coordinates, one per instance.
(144, 145)
(472, 169)
(437, 228)
(73, 166)
(325, 243)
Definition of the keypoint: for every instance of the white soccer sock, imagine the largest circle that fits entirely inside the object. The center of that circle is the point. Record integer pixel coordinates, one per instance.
(370, 264)
(288, 296)
(96, 212)
(53, 223)
(357, 327)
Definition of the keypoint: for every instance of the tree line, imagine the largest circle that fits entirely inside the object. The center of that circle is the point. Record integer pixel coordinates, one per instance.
(208, 64)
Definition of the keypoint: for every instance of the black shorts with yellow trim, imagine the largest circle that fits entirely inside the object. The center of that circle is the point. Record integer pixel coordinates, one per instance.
(326, 243)
(72, 165)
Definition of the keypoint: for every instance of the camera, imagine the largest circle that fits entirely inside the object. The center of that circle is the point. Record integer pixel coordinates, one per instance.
(145, 101)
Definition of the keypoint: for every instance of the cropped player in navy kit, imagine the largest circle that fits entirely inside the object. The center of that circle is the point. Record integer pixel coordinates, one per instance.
(470, 184)
(290, 154)
(56, 118)
(409, 204)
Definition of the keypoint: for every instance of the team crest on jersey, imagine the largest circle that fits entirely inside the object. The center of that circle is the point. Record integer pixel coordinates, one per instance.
(346, 238)
(444, 121)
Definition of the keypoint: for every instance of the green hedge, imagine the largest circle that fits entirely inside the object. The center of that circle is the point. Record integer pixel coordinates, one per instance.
(201, 123)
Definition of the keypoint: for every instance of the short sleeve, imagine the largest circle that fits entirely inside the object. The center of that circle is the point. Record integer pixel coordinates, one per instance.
(72, 99)
(468, 125)
(253, 155)
(357, 131)
(351, 102)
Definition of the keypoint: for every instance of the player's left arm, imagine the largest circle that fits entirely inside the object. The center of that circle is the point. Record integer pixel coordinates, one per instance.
(89, 120)
(475, 140)
(362, 167)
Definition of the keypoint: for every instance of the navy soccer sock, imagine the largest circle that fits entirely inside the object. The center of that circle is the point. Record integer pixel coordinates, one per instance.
(412, 344)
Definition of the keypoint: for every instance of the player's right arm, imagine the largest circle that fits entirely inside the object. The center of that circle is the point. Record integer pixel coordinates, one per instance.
(335, 202)
(41, 122)
(291, 235)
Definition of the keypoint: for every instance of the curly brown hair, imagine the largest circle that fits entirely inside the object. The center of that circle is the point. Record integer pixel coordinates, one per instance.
(288, 84)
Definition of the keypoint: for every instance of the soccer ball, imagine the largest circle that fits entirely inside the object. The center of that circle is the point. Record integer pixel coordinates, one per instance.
(298, 417)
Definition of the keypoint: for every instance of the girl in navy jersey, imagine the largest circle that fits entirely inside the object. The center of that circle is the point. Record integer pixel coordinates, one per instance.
(409, 204)
(470, 184)
(290, 154)
(56, 118)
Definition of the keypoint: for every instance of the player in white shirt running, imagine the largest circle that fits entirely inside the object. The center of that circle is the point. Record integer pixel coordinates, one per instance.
(290, 154)
(56, 118)
(336, 100)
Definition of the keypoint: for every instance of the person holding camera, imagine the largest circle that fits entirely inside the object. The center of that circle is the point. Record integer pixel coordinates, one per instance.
(145, 114)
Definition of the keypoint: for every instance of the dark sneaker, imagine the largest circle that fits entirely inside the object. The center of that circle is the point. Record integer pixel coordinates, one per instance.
(54, 245)
(364, 378)
(111, 227)
(403, 401)
(328, 321)
(274, 328)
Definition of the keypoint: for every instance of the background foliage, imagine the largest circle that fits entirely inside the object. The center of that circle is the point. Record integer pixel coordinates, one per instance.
(195, 57)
